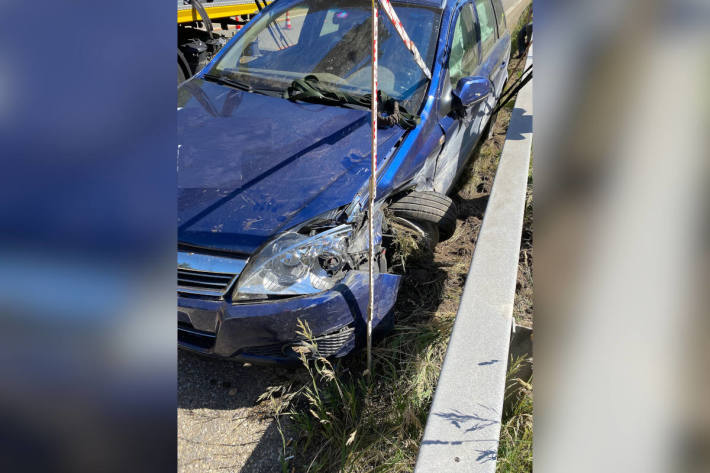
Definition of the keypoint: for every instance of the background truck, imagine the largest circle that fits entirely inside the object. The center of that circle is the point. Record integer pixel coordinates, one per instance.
(198, 41)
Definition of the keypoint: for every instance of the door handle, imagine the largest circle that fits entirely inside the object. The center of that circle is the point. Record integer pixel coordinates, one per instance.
(502, 64)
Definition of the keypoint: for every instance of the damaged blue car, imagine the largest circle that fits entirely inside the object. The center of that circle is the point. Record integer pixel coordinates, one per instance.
(273, 164)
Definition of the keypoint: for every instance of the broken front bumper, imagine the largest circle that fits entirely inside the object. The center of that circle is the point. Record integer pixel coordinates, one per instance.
(267, 331)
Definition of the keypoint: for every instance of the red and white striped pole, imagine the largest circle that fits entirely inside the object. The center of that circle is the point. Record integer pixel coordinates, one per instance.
(387, 6)
(373, 186)
(394, 19)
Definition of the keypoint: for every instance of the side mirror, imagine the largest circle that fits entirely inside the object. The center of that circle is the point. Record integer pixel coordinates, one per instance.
(471, 90)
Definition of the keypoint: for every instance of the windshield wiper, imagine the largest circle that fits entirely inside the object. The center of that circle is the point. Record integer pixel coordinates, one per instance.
(310, 89)
(224, 80)
(241, 85)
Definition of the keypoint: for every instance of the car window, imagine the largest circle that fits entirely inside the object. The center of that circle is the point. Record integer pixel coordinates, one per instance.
(487, 22)
(333, 19)
(500, 16)
(463, 58)
(284, 32)
(332, 39)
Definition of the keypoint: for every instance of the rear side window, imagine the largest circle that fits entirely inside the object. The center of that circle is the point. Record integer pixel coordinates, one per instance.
(500, 16)
(487, 22)
(463, 58)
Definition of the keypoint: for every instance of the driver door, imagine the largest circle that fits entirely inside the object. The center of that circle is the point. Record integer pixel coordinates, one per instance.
(461, 126)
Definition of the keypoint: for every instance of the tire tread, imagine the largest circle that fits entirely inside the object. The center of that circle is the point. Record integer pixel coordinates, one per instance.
(428, 206)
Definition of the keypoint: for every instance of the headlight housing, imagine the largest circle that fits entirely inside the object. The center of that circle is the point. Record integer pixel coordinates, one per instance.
(296, 264)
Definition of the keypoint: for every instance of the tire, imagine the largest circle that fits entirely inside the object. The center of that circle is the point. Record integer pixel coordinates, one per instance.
(428, 206)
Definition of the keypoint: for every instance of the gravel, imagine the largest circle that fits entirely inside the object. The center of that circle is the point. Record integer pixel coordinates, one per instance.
(220, 426)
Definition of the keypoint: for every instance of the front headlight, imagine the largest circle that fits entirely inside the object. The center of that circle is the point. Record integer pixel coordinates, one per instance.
(296, 264)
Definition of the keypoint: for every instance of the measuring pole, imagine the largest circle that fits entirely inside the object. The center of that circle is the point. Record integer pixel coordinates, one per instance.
(373, 184)
(389, 11)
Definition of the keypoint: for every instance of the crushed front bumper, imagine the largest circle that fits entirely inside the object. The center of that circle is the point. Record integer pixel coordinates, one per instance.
(267, 331)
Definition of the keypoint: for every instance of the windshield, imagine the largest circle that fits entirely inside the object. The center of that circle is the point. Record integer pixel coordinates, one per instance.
(332, 40)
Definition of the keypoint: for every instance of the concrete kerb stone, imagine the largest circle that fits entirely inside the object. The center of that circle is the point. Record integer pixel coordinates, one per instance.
(463, 428)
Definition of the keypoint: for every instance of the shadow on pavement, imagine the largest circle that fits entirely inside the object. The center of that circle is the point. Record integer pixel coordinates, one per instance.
(220, 425)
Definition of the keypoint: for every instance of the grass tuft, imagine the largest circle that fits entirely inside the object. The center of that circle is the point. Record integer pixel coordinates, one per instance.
(334, 419)
(515, 450)
(524, 19)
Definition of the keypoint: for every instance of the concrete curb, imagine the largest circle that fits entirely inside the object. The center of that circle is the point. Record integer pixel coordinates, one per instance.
(463, 427)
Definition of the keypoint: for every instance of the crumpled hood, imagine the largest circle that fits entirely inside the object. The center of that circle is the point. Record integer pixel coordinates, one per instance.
(251, 166)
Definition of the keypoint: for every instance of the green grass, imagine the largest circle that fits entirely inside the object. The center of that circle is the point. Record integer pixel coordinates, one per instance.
(524, 19)
(515, 450)
(523, 305)
(350, 422)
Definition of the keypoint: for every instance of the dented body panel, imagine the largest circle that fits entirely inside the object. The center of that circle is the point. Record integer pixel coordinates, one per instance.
(239, 328)
(250, 166)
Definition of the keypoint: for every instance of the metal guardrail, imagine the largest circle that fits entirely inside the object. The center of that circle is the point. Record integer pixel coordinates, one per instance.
(463, 428)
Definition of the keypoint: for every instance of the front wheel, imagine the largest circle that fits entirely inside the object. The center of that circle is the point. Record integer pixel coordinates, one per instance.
(429, 207)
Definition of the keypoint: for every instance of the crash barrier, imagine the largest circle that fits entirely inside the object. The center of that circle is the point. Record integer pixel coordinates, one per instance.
(463, 426)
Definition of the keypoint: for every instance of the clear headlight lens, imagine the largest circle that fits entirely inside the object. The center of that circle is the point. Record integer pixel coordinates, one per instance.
(295, 264)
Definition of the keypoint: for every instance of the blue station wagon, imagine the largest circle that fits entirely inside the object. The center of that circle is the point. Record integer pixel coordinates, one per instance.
(273, 165)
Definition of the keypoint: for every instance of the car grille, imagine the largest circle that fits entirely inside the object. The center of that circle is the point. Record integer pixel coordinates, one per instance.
(207, 274)
(206, 282)
(327, 345)
(332, 343)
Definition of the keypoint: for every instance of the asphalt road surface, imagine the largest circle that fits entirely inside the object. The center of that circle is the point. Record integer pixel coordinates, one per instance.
(220, 426)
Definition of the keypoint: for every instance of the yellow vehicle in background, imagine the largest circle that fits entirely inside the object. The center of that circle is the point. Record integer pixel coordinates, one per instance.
(198, 41)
